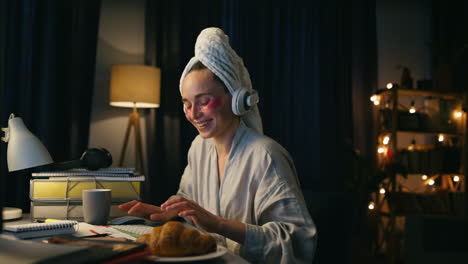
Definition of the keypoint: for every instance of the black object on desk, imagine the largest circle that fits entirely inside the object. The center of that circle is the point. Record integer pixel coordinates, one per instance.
(97, 250)
(128, 220)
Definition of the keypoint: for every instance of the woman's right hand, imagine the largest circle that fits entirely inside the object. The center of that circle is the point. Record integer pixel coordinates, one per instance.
(147, 210)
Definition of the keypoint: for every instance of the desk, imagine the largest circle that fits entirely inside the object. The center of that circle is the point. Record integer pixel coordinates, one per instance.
(228, 258)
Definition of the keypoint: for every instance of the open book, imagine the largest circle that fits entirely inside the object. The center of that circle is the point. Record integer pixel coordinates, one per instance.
(34, 230)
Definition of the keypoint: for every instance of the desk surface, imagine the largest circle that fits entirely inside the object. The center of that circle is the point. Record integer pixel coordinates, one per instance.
(228, 258)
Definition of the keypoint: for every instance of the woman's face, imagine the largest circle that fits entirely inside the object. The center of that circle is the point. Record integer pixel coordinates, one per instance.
(206, 104)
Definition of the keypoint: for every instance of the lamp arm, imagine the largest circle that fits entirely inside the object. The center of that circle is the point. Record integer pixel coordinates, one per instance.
(6, 138)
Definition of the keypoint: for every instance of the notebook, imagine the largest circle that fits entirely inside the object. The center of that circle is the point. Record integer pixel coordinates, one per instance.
(34, 230)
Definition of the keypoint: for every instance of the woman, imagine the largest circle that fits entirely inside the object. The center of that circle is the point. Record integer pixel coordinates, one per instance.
(238, 183)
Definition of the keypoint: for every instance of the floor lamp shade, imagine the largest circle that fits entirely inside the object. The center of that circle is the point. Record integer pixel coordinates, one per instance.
(24, 149)
(135, 86)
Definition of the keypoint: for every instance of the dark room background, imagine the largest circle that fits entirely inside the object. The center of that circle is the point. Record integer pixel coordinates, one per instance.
(314, 63)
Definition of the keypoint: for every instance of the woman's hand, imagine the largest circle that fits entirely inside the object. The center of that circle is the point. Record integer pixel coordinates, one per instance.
(189, 208)
(147, 210)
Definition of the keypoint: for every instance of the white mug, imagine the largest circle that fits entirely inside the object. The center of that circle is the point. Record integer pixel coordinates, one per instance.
(96, 206)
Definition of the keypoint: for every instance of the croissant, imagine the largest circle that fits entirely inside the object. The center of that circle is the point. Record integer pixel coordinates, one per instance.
(173, 239)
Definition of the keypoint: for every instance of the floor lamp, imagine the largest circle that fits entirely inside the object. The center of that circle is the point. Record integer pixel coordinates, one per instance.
(134, 86)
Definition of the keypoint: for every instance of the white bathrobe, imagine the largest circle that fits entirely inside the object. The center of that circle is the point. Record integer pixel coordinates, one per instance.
(259, 188)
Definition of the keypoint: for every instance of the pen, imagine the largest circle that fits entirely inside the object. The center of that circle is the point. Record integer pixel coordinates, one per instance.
(98, 235)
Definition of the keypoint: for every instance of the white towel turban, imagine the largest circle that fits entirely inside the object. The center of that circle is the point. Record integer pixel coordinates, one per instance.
(213, 50)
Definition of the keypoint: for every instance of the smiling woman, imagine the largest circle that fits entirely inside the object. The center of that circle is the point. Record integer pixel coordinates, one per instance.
(239, 184)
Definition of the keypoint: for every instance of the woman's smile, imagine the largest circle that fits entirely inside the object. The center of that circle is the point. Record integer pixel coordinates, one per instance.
(207, 105)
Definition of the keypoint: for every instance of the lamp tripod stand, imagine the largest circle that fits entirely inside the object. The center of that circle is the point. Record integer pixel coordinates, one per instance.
(136, 86)
(133, 121)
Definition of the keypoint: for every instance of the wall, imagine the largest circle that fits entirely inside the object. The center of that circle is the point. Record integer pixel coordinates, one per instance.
(120, 41)
(403, 38)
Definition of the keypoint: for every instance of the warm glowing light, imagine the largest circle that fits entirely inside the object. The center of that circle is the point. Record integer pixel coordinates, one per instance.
(457, 114)
(441, 138)
(382, 191)
(412, 109)
(456, 178)
(373, 97)
(371, 206)
(381, 150)
(376, 102)
(385, 140)
(389, 85)
(431, 182)
(424, 177)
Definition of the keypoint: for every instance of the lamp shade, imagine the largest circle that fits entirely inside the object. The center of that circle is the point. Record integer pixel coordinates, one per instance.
(135, 86)
(24, 149)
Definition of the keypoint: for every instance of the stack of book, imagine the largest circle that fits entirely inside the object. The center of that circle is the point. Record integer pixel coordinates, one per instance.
(58, 194)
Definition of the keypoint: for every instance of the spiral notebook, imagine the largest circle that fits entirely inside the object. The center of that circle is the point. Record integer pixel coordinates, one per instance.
(34, 230)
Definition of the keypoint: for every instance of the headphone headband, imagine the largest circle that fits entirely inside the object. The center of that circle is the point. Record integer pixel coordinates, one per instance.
(91, 159)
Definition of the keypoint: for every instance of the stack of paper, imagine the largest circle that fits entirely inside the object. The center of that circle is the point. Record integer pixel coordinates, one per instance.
(58, 194)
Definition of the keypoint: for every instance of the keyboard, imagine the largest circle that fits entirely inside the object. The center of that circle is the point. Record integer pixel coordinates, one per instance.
(134, 230)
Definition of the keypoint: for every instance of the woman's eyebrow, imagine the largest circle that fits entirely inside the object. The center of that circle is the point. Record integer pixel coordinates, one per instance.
(203, 94)
(197, 96)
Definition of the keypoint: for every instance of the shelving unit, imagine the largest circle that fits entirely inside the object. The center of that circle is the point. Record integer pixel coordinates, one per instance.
(421, 151)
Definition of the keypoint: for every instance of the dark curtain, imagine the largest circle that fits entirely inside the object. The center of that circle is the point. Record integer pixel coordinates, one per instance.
(49, 52)
(450, 46)
(310, 62)
(2, 67)
(314, 65)
(171, 30)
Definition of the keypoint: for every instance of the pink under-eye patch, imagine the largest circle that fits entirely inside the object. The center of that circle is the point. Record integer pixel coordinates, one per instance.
(214, 103)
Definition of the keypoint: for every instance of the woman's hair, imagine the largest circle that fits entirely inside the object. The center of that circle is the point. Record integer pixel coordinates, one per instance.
(198, 66)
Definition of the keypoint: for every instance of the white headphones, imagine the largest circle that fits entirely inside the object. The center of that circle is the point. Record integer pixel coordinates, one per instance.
(243, 101)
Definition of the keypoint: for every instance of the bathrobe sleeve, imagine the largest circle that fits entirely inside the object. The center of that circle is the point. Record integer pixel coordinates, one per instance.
(284, 231)
(185, 185)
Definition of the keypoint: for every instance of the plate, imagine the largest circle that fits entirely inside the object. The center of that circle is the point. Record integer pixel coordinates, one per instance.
(218, 253)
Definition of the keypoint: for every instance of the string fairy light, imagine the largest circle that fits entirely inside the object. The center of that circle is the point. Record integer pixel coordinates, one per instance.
(412, 109)
(385, 140)
(381, 150)
(375, 99)
(440, 138)
(458, 114)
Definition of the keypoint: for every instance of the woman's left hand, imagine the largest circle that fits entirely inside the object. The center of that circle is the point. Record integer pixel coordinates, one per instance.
(189, 208)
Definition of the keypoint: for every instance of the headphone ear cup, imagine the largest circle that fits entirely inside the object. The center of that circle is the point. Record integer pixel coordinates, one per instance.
(94, 159)
(239, 107)
(243, 100)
